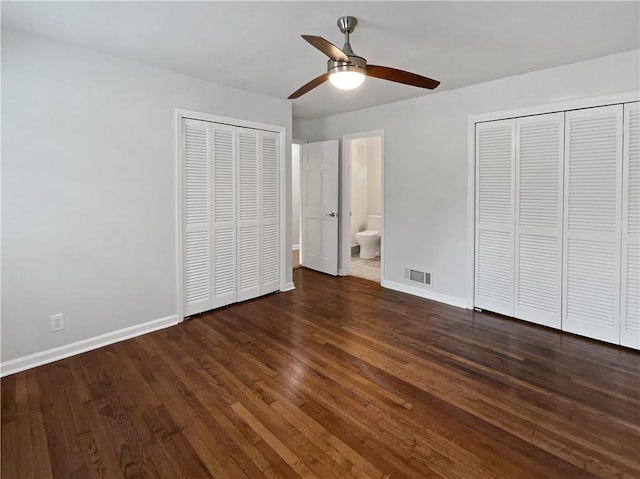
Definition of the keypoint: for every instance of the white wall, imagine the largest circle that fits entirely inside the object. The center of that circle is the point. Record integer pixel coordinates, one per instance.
(425, 167)
(89, 187)
(295, 195)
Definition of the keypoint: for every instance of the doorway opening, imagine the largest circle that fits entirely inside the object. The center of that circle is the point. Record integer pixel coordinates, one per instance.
(295, 204)
(363, 200)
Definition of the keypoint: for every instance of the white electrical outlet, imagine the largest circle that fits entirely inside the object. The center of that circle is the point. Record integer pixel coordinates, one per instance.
(57, 322)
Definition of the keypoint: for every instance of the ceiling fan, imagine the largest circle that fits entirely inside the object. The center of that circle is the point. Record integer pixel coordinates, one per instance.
(346, 70)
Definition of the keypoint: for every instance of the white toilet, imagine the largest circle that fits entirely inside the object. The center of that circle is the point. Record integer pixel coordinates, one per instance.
(369, 240)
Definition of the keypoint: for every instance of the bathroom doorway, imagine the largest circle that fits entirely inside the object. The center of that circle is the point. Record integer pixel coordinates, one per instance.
(362, 215)
(295, 203)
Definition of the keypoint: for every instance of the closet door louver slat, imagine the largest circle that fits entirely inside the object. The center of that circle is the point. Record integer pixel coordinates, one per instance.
(248, 282)
(269, 266)
(538, 219)
(494, 269)
(197, 200)
(592, 226)
(223, 236)
(630, 290)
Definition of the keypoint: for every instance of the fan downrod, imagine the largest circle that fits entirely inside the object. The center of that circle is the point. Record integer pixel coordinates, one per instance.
(347, 25)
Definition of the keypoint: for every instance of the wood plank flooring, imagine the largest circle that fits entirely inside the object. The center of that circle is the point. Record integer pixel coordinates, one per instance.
(338, 378)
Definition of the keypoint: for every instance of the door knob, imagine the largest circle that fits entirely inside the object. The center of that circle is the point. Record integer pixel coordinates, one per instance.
(332, 214)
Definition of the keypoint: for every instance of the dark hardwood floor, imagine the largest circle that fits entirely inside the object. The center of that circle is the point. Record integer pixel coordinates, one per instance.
(338, 378)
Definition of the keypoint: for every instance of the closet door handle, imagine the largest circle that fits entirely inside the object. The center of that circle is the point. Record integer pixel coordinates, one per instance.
(332, 214)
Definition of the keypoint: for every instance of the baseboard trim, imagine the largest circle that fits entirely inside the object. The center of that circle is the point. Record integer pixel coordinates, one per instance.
(55, 354)
(288, 287)
(441, 298)
(295, 247)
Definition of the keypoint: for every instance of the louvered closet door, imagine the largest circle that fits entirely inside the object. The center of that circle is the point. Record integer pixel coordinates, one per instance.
(494, 269)
(538, 245)
(223, 233)
(197, 216)
(269, 258)
(248, 282)
(630, 304)
(592, 226)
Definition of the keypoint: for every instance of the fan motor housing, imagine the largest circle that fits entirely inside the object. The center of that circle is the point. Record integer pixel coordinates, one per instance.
(355, 63)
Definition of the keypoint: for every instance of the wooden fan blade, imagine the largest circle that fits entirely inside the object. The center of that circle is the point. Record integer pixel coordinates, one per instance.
(326, 47)
(309, 86)
(401, 76)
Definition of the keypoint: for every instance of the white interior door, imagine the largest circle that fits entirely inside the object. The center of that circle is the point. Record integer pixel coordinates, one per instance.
(319, 242)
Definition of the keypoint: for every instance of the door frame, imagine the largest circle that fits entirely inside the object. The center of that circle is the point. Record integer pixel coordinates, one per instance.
(344, 225)
(554, 107)
(298, 142)
(283, 187)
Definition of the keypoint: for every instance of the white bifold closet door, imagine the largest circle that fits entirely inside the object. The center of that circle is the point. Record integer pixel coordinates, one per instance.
(592, 226)
(248, 215)
(538, 219)
(196, 154)
(495, 192)
(258, 259)
(269, 235)
(224, 224)
(231, 238)
(630, 302)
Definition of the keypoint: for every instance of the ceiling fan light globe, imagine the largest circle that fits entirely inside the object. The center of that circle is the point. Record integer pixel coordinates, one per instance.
(346, 80)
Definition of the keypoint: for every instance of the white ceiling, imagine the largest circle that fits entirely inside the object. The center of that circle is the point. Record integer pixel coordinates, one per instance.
(256, 46)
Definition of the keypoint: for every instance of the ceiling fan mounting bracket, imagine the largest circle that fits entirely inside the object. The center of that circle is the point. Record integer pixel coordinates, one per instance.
(347, 24)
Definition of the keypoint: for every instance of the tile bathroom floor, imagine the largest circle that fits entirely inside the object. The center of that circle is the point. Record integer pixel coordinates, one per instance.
(366, 268)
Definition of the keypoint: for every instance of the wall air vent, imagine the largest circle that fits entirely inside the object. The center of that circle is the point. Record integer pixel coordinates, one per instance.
(417, 276)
